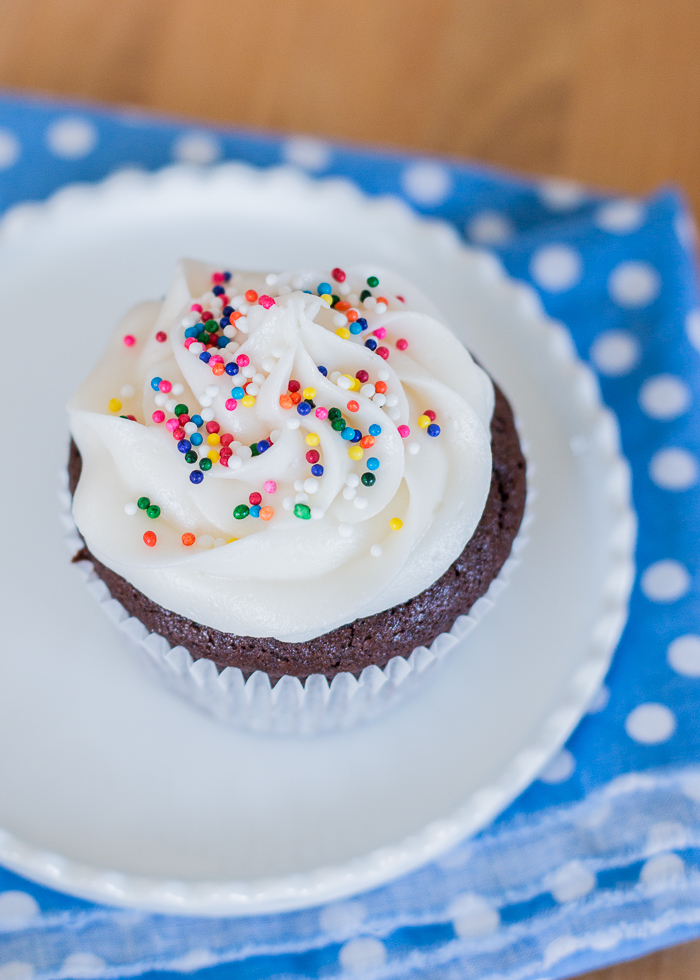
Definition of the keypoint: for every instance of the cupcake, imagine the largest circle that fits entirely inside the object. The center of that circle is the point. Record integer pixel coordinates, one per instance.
(293, 476)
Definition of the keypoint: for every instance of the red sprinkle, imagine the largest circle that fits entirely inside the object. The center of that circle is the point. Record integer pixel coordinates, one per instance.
(150, 539)
(312, 456)
(218, 277)
(338, 275)
(179, 433)
(430, 413)
(226, 439)
(207, 316)
(383, 352)
(183, 419)
(401, 344)
(213, 427)
(401, 299)
(362, 376)
(223, 460)
(293, 386)
(129, 340)
(255, 498)
(161, 336)
(225, 452)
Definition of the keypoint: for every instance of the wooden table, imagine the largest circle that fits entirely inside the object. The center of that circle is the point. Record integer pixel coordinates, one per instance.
(603, 91)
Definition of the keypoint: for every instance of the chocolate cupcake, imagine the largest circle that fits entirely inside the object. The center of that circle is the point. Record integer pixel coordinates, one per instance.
(296, 478)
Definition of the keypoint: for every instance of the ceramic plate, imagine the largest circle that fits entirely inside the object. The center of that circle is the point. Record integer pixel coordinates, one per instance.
(116, 790)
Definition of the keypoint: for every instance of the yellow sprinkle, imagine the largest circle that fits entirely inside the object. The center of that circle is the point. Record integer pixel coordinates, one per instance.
(356, 384)
(423, 421)
(395, 523)
(328, 298)
(312, 439)
(213, 455)
(356, 452)
(343, 332)
(213, 438)
(231, 540)
(114, 405)
(309, 392)
(248, 401)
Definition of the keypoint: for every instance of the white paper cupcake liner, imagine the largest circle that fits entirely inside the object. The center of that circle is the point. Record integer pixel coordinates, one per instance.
(290, 707)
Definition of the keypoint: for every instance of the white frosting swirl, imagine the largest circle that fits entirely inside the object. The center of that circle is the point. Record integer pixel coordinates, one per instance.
(286, 577)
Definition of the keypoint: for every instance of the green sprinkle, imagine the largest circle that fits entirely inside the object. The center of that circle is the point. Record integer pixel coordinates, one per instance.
(191, 456)
(334, 299)
(143, 503)
(368, 479)
(205, 464)
(364, 294)
(153, 511)
(338, 424)
(302, 511)
(254, 449)
(372, 281)
(334, 413)
(181, 410)
(240, 512)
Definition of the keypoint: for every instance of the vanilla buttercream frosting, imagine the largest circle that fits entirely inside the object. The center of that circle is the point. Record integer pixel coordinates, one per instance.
(324, 454)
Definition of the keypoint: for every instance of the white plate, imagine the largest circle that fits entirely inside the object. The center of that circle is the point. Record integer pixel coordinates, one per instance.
(114, 789)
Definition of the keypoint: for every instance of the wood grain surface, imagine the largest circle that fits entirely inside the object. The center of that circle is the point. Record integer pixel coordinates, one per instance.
(603, 91)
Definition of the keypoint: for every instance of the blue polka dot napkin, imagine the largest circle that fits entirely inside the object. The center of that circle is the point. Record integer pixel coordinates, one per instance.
(599, 860)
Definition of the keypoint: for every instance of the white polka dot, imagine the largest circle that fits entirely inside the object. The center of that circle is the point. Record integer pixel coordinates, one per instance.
(692, 328)
(683, 655)
(686, 230)
(661, 869)
(83, 965)
(556, 268)
(634, 284)
(198, 148)
(426, 182)
(674, 469)
(621, 217)
(196, 959)
(9, 149)
(71, 137)
(600, 701)
(472, 916)
(490, 228)
(18, 905)
(664, 397)
(360, 955)
(559, 769)
(690, 785)
(615, 352)
(650, 724)
(560, 948)
(308, 153)
(16, 970)
(561, 195)
(346, 917)
(572, 880)
(592, 817)
(665, 581)
(667, 835)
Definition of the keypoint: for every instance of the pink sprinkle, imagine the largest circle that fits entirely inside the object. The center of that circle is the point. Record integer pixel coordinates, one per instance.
(401, 344)
(129, 340)
(401, 299)
(269, 486)
(383, 352)
(243, 360)
(189, 342)
(380, 333)
(266, 302)
(196, 308)
(231, 404)
(217, 277)
(321, 413)
(165, 387)
(158, 416)
(161, 336)
(216, 359)
(403, 431)
(171, 425)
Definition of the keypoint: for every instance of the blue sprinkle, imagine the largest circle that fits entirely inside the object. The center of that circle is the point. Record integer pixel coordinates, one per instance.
(355, 328)
(184, 445)
(224, 321)
(196, 476)
(323, 370)
(263, 445)
(372, 344)
(191, 331)
(357, 436)
(221, 342)
(227, 311)
(303, 408)
(433, 430)
(348, 433)
(237, 393)
(155, 382)
(317, 470)
(254, 511)
(231, 369)
(218, 290)
(362, 322)
(308, 291)
(375, 430)
(373, 463)
(324, 287)
(205, 356)
(196, 439)
(197, 419)
(227, 276)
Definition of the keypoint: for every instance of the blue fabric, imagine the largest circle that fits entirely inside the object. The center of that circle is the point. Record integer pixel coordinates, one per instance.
(599, 859)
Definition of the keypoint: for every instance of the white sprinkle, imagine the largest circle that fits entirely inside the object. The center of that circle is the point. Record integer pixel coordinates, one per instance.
(317, 513)
(189, 320)
(413, 448)
(293, 423)
(333, 376)
(237, 300)
(339, 320)
(211, 390)
(258, 378)
(248, 371)
(189, 428)
(207, 414)
(244, 452)
(353, 299)
(394, 414)
(242, 324)
(311, 485)
(233, 346)
(204, 401)
(361, 502)
(301, 498)
(243, 308)
(207, 299)
(170, 404)
(380, 308)
(161, 399)
(235, 446)
(276, 352)
(344, 382)
(219, 541)
(376, 551)
(369, 302)
(127, 391)
(383, 374)
(205, 540)
(229, 332)
(343, 289)
(367, 390)
(288, 503)
(379, 399)
(275, 434)
(252, 389)
(130, 508)
(271, 279)
(345, 530)
(349, 493)
(392, 401)
(267, 364)
(298, 485)
(196, 348)
(352, 480)
(178, 389)
(235, 462)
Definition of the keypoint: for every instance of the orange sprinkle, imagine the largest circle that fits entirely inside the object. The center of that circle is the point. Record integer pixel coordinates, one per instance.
(352, 315)
(296, 397)
(367, 442)
(266, 513)
(353, 406)
(150, 538)
(342, 306)
(380, 387)
(383, 299)
(251, 296)
(188, 539)
(218, 368)
(235, 316)
(286, 401)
